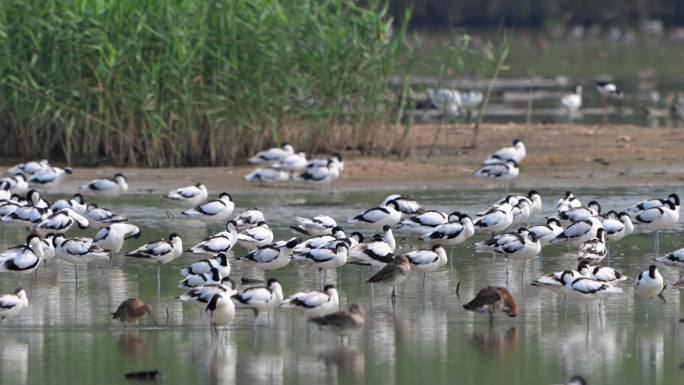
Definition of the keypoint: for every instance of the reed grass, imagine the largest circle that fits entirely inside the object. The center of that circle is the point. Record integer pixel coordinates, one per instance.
(191, 82)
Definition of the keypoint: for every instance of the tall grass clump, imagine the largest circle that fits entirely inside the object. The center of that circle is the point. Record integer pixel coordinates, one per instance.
(190, 82)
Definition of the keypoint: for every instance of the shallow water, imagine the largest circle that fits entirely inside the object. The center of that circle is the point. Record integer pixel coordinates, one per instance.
(67, 336)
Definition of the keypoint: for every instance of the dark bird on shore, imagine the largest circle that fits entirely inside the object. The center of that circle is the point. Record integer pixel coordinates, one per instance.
(353, 318)
(492, 300)
(393, 274)
(131, 310)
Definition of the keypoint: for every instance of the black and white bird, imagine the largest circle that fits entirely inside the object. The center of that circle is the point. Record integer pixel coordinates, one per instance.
(221, 311)
(261, 299)
(326, 258)
(652, 203)
(608, 89)
(567, 202)
(78, 251)
(314, 303)
(336, 157)
(618, 228)
(161, 251)
(377, 251)
(456, 231)
(24, 216)
(648, 284)
(249, 218)
(516, 153)
(601, 273)
(271, 257)
(320, 175)
(393, 274)
(429, 260)
(267, 175)
(12, 304)
(106, 187)
(17, 184)
(221, 242)
(48, 246)
(378, 217)
(521, 247)
(521, 212)
(553, 281)
(76, 203)
(323, 241)
(674, 259)
(260, 235)
(352, 318)
(61, 222)
(195, 280)
(495, 220)
(407, 205)
(102, 217)
(48, 178)
(545, 233)
(498, 240)
(505, 171)
(189, 196)
(214, 210)
(29, 168)
(533, 197)
(272, 155)
(593, 250)
(292, 162)
(576, 214)
(113, 236)
(23, 259)
(34, 199)
(203, 294)
(579, 232)
(219, 263)
(586, 288)
(314, 227)
(424, 222)
(658, 218)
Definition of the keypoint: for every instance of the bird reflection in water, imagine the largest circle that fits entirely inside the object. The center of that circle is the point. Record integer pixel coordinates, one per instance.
(496, 342)
(131, 345)
(346, 364)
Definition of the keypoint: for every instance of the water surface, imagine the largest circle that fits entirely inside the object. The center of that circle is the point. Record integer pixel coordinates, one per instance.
(66, 336)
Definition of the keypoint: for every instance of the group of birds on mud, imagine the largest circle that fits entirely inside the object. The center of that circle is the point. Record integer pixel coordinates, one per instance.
(283, 164)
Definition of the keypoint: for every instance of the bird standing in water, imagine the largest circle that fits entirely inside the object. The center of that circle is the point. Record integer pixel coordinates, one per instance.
(131, 310)
(492, 300)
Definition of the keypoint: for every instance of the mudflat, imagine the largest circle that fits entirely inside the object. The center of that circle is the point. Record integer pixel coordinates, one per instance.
(558, 155)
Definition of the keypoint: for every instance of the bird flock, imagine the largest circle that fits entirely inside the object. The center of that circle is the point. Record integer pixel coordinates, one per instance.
(319, 242)
(282, 164)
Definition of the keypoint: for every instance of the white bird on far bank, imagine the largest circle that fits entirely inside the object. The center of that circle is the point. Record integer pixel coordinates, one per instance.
(272, 155)
(517, 153)
(110, 188)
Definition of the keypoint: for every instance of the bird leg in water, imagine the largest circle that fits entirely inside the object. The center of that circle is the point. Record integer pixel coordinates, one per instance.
(254, 322)
(491, 318)
(394, 295)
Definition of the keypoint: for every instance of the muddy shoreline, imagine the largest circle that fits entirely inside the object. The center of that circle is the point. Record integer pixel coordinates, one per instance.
(559, 156)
